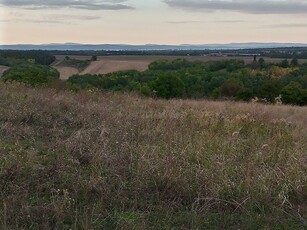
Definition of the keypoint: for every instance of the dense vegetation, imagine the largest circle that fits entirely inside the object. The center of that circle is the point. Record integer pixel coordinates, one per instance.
(75, 63)
(93, 160)
(15, 57)
(224, 79)
(31, 74)
(228, 79)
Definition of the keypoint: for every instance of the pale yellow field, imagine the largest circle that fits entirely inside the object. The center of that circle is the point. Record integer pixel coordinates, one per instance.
(66, 72)
(108, 66)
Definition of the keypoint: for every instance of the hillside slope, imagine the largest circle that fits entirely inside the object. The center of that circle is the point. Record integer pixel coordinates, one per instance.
(117, 161)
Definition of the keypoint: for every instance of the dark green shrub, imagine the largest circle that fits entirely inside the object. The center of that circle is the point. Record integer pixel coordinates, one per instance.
(31, 74)
(294, 62)
(85, 81)
(284, 63)
(294, 94)
(230, 89)
(245, 94)
(169, 86)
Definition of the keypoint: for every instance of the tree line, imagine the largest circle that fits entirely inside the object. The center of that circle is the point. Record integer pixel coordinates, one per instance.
(221, 80)
(15, 57)
(231, 80)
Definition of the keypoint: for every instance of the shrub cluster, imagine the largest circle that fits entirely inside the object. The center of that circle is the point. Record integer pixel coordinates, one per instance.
(31, 74)
(230, 79)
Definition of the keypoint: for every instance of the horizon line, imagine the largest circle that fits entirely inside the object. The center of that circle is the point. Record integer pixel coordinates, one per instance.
(153, 44)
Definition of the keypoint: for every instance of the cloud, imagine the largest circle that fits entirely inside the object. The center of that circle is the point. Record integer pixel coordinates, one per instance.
(244, 6)
(77, 4)
(202, 22)
(185, 22)
(71, 19)
(60, 17)
(298, 25)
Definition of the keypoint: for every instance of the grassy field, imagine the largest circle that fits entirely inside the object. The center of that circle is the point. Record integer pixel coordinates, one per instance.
(93, 160)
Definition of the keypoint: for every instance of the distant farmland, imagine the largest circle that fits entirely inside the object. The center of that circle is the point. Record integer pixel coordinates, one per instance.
(109, 64)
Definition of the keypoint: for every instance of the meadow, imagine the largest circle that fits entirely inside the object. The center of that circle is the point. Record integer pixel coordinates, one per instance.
(106, 160)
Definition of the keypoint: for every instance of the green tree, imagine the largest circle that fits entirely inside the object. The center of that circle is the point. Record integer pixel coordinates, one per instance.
(284, 63)
(230, 89)
(245, 94)
(269, 90)
(168, 86)
(294, 94)
(261, 63)
(294, 62)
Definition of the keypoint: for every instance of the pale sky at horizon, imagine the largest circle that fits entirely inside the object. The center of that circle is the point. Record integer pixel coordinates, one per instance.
(152, 21)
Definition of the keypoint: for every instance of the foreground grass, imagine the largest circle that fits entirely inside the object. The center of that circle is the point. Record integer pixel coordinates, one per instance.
(117, 161)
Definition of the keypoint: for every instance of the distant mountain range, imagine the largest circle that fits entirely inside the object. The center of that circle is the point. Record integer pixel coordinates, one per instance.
(82, 47)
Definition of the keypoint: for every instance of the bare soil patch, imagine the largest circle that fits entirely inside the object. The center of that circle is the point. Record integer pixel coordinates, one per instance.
(3, 69)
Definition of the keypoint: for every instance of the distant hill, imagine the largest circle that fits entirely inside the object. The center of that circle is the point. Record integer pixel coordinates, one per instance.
(77, 46)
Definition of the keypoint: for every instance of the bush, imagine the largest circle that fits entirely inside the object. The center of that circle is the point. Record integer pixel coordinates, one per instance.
(31, 74)
(230, 89)
(245, 94)
(294, 62)
(294, 94)
(169, 86)
(284, 64)
(85, 81)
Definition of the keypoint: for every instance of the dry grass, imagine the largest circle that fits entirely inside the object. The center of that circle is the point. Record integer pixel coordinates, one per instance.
(109, 66)
(66, 72)
(117, 161)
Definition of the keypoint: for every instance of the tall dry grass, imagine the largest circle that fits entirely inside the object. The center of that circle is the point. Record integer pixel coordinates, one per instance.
(117, 161)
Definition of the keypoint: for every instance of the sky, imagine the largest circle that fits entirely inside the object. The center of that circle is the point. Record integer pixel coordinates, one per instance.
(152, 21)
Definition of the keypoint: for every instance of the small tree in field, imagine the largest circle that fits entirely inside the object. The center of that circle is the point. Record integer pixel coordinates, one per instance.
(261, 63)
(284, 63)
(294, 62)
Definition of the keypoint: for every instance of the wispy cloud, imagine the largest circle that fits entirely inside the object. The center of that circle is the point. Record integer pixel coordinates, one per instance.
(61, 17)
(203, 22)
(244, 6)
(78, 4)
(184, 22)
(298, 25)
(72, 19)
